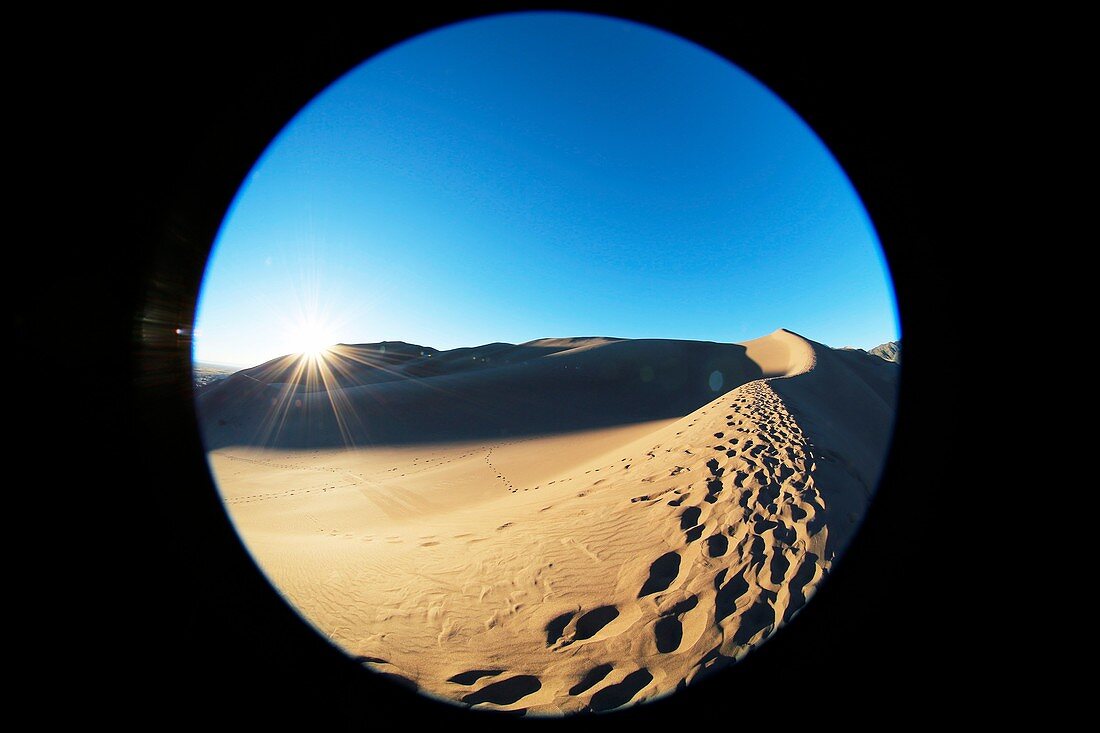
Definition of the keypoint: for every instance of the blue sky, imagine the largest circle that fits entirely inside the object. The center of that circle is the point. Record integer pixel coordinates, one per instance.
(542, 175)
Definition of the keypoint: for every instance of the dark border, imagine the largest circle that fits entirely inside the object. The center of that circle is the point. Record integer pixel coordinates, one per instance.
(183, 110)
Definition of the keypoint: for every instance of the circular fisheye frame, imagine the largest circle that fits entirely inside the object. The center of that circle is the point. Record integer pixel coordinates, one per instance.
(547, 362)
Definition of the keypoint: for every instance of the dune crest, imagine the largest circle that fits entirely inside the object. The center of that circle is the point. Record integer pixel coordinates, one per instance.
(586, 570)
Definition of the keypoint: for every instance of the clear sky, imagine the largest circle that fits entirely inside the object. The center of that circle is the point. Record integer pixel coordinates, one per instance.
(542, 175)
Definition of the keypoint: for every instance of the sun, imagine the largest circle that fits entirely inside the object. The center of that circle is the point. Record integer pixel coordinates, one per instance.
(310, 337)
(309, 322)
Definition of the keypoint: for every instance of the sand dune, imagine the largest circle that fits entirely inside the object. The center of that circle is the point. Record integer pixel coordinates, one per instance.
(368, 395)
(551, 570)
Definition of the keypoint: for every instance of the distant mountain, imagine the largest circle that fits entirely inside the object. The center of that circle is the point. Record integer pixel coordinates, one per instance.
(890, 351)
(204, 373)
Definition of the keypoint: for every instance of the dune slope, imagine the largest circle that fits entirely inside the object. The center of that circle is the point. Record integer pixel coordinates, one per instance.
(383, 394)
(581, 570)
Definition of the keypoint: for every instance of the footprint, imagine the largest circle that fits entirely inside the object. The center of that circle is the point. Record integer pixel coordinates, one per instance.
(591, 678)
(399, 680)
(725, 600)
(779, 567)
(769, 492)
(759, 617)
(590, 623)
(763, 525)
(757, 551)
(556, 628)
(707, 664)
(506, 691)
(683, 606)
(714, 488)
(802, 577)
(717, 545)
(668, 633)
(661, 574)
(469, 678)
(785, 535)
(619, 694)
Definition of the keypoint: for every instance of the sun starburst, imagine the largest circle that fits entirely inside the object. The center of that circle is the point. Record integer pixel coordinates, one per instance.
(310, 336)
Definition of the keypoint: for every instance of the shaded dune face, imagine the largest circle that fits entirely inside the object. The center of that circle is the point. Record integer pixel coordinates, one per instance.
(552, 574)
(396, 393)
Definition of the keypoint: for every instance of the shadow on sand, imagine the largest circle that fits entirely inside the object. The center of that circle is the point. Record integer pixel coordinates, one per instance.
(395, 393)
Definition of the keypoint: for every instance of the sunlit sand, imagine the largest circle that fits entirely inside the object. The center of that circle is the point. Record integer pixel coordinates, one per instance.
(552, 569)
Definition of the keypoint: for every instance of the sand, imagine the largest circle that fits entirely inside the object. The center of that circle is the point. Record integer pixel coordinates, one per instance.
(546, 569)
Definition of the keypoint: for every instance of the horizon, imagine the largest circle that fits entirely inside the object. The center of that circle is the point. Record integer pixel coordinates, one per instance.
(515, 175)
(205, 362)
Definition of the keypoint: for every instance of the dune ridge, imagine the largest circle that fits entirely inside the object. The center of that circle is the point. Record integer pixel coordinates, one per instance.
(382, 394)
(586, 570)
